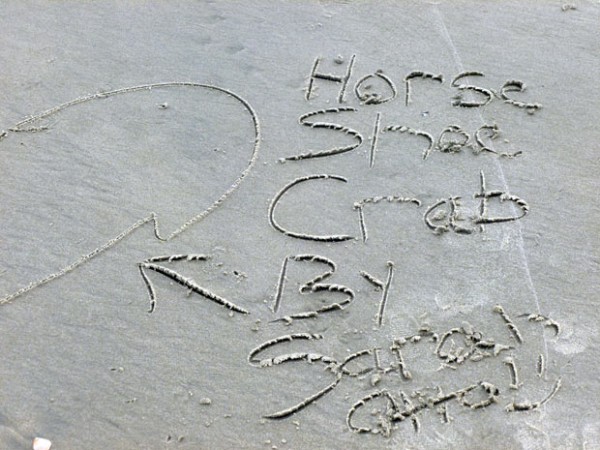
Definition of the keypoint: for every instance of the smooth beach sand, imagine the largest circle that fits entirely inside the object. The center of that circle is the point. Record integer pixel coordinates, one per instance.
(378, 224)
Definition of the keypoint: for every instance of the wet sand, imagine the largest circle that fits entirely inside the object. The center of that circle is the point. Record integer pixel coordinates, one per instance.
(391, 211)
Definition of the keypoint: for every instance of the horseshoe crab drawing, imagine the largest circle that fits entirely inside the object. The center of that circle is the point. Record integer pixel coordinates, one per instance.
(39, 123)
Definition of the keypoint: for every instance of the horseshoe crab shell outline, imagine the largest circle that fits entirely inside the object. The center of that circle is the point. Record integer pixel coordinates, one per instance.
(153, 216)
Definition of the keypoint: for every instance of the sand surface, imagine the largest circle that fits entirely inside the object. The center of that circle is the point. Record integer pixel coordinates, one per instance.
(456, 295)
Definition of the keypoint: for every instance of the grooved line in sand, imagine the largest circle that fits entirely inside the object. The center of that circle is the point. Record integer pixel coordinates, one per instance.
(339, 371)
(380, 285)
(509, 323)
(374, 140)
(404, 129)
(359, 206)
(150, 264)
(529, 279)
(418, 74)
(327, 126)
(309, 237)
(312, 286)
(375, 98)
(153, 216)
(462, 87)
(330, 77)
